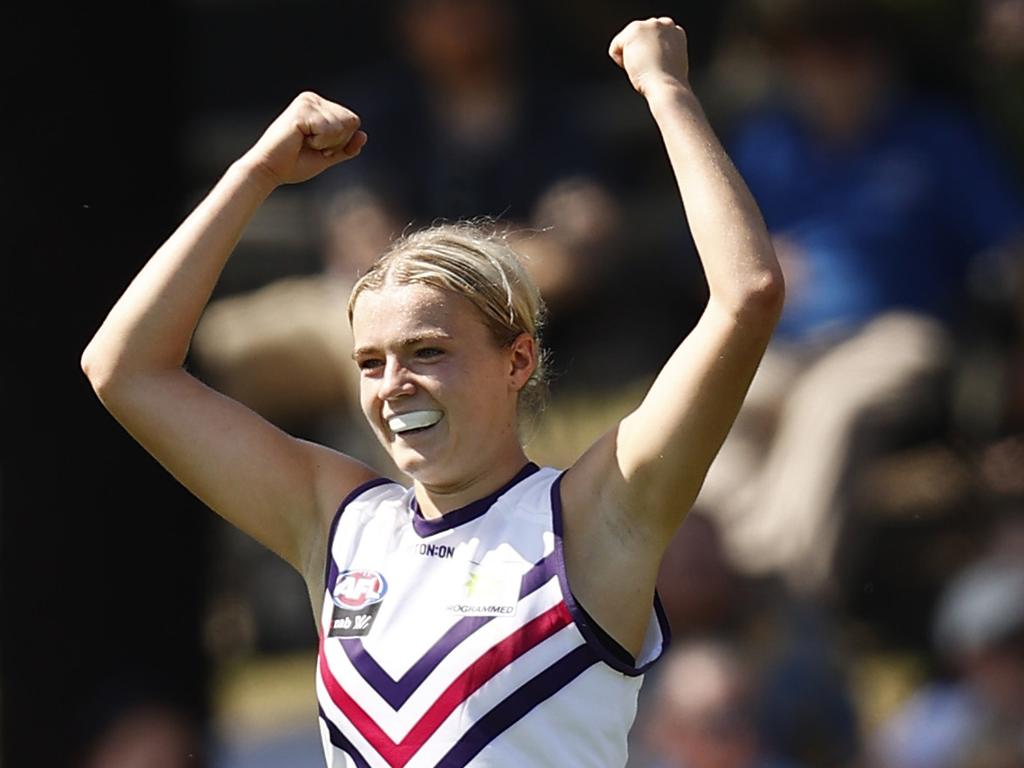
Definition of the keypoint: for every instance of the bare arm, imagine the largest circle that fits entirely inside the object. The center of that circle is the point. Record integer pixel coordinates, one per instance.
(275, 487)
(630, 491)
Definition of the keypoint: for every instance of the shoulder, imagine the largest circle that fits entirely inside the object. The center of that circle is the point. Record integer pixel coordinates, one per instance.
(362, 503)
(534, 487)
(370, 495)
(527, 505)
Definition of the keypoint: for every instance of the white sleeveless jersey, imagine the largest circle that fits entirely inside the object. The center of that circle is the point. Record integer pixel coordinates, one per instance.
(456, 641)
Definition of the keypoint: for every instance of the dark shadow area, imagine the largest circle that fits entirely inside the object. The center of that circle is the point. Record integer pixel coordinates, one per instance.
(101, 550)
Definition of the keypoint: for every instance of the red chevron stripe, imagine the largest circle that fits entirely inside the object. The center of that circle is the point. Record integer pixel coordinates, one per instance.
(472, 678)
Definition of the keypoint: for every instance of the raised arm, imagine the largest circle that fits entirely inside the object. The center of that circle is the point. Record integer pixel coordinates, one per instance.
(626, 496)
(276, 488)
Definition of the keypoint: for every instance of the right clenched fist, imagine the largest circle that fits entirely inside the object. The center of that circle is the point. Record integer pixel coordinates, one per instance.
(652, 51)
(311, 135)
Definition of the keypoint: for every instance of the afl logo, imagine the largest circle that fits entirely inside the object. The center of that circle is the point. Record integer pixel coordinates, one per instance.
(355, 590)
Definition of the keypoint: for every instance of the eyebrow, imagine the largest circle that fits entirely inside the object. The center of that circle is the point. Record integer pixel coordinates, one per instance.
(410, 341)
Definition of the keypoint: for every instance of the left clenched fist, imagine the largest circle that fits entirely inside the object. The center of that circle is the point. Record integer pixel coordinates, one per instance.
(311, 135)
(652, 52)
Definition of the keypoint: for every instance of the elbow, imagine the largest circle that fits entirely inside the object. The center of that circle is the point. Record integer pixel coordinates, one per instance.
(102, 368)
(763, 297)
(94, 368)
(115, 375)
(770, 291)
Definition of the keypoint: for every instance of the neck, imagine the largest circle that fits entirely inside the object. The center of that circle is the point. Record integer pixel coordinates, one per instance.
(436, 500)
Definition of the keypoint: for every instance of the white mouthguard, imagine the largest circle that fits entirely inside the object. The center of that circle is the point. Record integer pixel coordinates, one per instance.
(403, 422)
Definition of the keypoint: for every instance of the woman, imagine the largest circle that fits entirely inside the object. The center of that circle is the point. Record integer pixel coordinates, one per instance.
(452, 620)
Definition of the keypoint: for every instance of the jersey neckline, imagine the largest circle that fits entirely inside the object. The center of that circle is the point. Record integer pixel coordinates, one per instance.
(463, 515)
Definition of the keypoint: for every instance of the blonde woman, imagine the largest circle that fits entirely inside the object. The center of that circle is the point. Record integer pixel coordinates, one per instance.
(495, 613)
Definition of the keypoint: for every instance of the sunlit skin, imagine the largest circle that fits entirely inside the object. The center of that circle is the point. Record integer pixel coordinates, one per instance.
(423, 348)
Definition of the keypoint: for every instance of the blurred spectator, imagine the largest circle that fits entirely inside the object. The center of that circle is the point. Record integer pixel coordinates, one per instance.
(138, 720)
(148, 737)
(703, 714)
(879, 201)
(999, 69)
(462, 124)
(700, 590)
(454, 133)
(795, 702)
(285, 351)
(805, 711)
(975, 719)
(462, 127)
(466, 124)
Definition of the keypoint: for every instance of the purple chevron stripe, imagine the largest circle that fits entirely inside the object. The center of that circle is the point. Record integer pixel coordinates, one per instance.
(517, 705)
(397, 692)
(338, 739)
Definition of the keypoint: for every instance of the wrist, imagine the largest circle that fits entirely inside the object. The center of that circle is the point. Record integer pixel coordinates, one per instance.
(665, 88)
(254, 175)
(666, 99)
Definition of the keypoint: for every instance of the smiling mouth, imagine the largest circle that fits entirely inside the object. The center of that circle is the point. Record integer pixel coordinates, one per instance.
(413, 422)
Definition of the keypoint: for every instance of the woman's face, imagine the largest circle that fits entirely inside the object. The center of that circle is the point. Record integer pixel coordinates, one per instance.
(438, 391)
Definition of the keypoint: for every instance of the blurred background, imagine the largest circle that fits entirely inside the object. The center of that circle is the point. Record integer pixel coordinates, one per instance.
(849, 589)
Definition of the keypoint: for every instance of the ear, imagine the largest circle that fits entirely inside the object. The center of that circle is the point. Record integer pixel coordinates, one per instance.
(522, 361)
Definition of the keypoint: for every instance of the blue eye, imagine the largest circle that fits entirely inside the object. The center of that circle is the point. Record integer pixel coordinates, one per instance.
(370, 364)
(429, 352)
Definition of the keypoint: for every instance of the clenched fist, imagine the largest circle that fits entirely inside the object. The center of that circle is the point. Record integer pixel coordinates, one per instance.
(311, 135)
(651, 52)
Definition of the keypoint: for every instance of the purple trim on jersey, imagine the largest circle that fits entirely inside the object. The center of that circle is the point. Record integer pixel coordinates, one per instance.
(338, 740)
(517, 705)
(397, 692)
(666, 628)
(331, 569)
(578, 616)
(462, 515)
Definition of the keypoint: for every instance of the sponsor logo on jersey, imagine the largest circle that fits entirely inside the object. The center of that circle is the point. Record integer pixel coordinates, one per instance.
(357, 597)
(358, 589)
(478, 609)
(491, 590)
(436, 550)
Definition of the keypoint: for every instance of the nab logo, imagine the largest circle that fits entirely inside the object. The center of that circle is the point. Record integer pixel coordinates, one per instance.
(358, 589)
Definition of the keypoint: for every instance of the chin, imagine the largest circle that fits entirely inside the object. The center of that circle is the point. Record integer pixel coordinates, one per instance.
(426, 471)
(413, 464)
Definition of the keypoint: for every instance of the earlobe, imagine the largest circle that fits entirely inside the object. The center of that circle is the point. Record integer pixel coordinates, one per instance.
(523, 360)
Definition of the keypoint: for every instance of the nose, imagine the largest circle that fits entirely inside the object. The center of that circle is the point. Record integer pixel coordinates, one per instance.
(396, 381)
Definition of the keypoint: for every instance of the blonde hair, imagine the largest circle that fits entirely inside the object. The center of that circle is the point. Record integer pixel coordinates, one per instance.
(474, 260)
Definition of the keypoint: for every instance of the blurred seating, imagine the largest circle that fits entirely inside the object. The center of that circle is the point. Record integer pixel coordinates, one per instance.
(882, 202)
(973, 715)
